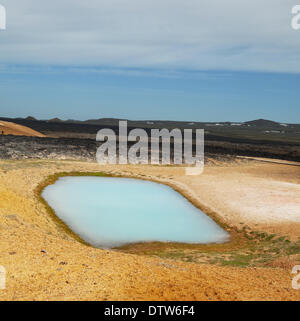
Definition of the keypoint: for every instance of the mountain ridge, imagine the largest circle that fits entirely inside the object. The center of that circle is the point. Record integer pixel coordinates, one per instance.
(260, 122)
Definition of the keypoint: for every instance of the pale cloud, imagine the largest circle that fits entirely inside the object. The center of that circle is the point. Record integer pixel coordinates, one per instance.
(250, 35)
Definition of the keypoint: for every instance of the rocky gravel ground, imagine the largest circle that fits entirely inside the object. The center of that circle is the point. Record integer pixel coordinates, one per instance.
(20, 147)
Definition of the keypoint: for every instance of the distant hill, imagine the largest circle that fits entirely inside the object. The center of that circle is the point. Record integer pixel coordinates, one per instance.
(112, 121)
(262, 123)
(8, 128)
(115, 122)
(260, 130)
(30, 118)
(55, 120)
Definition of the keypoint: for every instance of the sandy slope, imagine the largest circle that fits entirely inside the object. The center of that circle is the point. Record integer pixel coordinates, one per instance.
(8, 128)
(262, 196)
(69, 270)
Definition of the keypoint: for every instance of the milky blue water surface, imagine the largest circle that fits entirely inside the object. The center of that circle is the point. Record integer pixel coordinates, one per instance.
(109, 212)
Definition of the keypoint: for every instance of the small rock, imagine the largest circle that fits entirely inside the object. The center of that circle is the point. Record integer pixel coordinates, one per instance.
(44, 251)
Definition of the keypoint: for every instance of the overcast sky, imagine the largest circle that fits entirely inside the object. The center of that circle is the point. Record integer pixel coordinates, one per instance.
(146, 38)
(194, 34)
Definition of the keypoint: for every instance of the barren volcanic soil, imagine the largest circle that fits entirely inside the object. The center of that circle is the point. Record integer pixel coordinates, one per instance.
(45, 262)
